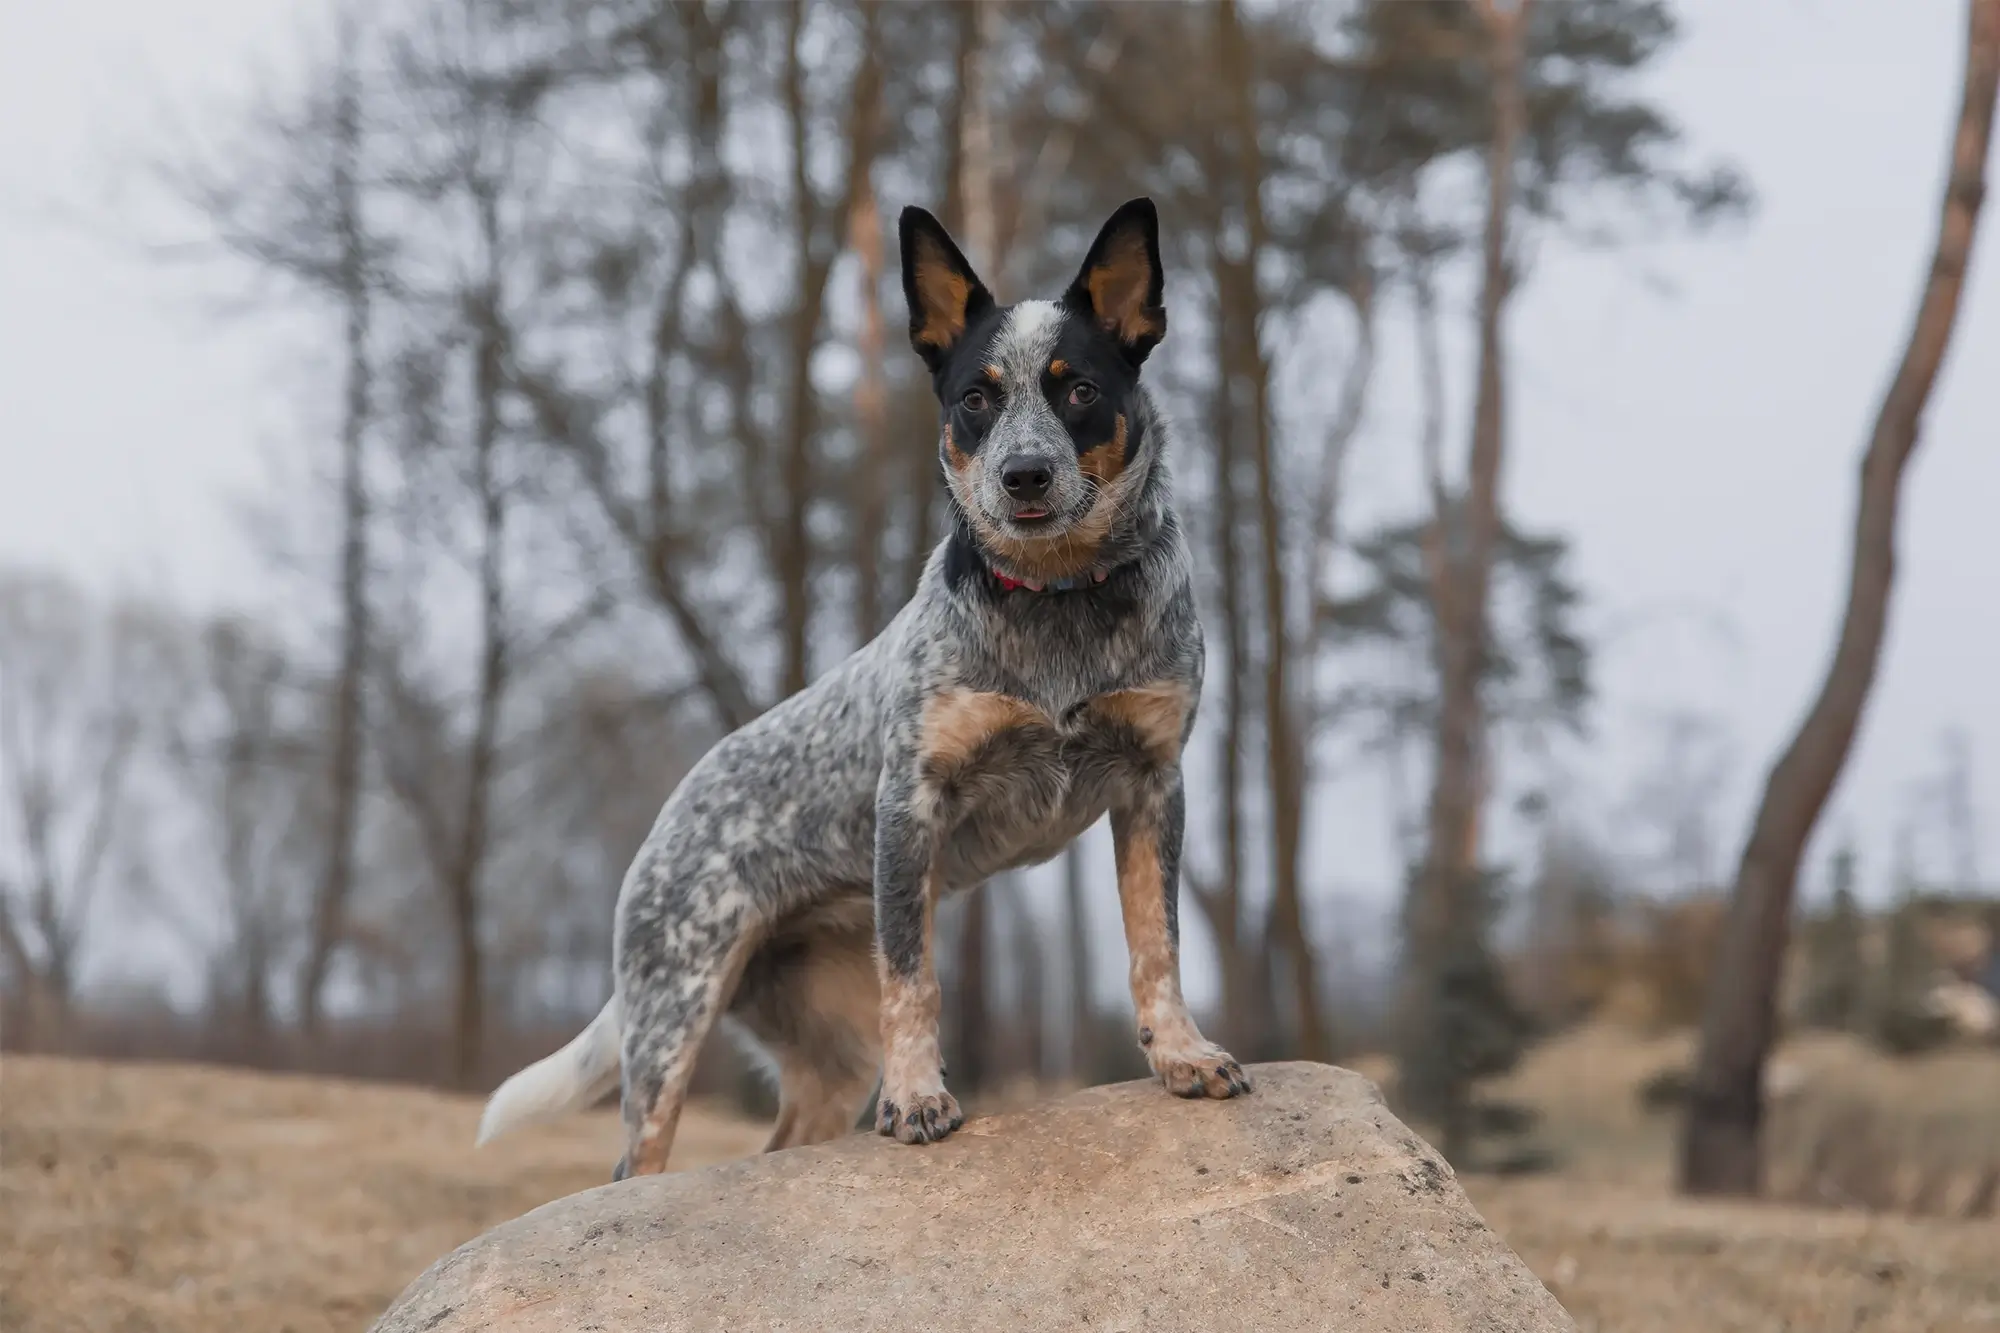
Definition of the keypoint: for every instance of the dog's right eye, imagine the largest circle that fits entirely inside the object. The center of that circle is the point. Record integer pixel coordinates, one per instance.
(974, 400)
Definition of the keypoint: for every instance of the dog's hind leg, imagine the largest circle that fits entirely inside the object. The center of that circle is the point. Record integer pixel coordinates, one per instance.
(682, 943)
(810, 998)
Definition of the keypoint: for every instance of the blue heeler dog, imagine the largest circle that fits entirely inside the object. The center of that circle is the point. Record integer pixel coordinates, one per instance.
(1045, 672)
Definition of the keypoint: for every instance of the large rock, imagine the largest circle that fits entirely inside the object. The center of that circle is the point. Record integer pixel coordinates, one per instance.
(1303, 1206)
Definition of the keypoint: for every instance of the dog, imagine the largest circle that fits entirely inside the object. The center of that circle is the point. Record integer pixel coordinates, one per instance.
(1045, 673)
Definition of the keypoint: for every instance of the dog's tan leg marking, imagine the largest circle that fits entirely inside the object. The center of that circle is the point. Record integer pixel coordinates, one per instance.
(914, 1106)
(1188, 1063)
(646, 1151)
(1155, 714)
(820, 1021)
(656, 1139)
(784, 1131)
(813, 1110)
(958, 722)
(846, 985)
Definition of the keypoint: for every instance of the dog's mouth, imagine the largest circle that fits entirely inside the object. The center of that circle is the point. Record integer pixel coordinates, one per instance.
(1031, 515)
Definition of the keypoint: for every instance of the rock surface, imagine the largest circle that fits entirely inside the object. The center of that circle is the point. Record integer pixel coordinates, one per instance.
(1303, 1206)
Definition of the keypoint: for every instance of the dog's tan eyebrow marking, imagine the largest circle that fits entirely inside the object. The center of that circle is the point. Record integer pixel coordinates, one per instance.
(1058, 367)
(993, 373)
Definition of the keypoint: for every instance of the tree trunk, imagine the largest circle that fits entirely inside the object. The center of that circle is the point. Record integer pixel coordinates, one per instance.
(723, 681)
(976, 157)
(1246, 996)
(1461, 568)
(1024, 958)
(816, 255)
(1286, 928)
(344, 779)
(1244, 1019)
(1082, 1017)
(871, 418)
(257, 998)
(975, 163)
(969, 1064)
(1721, 1149)
(470, 858)
(794, 554)
(921, 489)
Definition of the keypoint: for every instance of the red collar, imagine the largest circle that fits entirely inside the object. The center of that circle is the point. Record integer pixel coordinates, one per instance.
(1069, 584)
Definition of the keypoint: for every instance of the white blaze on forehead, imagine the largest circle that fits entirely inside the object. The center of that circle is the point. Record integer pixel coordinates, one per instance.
(1025, 343)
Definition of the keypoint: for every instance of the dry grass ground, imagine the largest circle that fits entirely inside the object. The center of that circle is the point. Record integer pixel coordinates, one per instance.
(137, 1197)
(142, 1197)
(1624, 1254)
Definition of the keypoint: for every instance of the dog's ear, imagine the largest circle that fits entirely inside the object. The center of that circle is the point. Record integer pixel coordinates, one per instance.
(945, 295)
(1121, 284)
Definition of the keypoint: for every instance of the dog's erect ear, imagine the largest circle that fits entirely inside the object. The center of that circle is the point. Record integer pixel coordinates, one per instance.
(1121, 283)
(945, 295)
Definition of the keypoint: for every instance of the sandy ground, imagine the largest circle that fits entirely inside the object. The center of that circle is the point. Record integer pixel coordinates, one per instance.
(136, 1197)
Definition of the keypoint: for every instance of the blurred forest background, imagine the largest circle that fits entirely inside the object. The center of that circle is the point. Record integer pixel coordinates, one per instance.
(619, 441)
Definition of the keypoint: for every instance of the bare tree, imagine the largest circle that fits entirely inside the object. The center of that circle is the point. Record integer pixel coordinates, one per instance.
(1461, 570)
(1961, 824)
(1076, 950)
(1539, 94)
(1675, 796)
(817, 236)
(1721, 1144)
(1247, 367)
(872, 480)
(287, 199)
(349, 279)
(73, 688)
(246, 744)
(478, 101)
(978, 164)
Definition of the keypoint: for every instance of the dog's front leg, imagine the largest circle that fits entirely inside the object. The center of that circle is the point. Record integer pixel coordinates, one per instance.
(915, 1107)
(1147, 830)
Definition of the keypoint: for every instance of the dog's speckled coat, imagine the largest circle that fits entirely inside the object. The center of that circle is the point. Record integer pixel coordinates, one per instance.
(790, 880)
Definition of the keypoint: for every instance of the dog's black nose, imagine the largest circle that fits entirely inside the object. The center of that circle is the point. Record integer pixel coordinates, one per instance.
(1026, 479)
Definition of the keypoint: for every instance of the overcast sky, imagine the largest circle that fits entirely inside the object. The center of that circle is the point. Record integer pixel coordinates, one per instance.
(1690, 414)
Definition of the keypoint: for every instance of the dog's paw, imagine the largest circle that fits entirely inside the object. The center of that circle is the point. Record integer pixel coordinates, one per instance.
(1209, 1072)
(919, 1117)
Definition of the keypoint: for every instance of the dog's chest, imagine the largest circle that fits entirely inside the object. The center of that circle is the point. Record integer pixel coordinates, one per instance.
(1014, 785)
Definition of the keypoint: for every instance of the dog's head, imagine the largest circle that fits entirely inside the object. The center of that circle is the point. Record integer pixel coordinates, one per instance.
(1043, 441)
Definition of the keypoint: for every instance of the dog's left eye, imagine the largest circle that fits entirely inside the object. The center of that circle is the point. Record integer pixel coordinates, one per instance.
(1083, 394)
(974, 400)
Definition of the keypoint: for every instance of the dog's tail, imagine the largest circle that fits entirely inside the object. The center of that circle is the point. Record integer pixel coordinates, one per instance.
(571, 1079)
